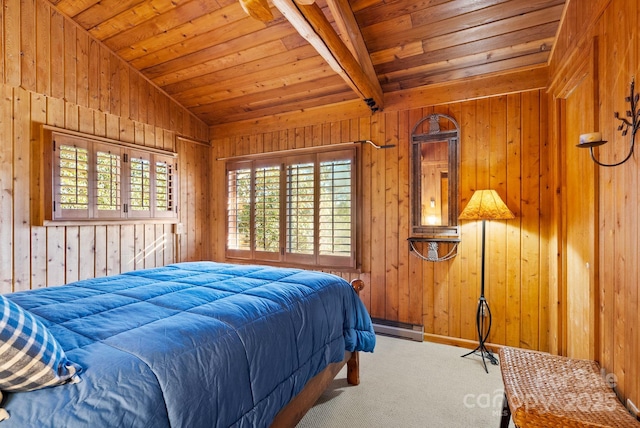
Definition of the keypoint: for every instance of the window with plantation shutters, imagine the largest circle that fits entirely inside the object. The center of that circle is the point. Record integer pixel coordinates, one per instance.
(239, 211)
(165, 189)
(108, 179)
(266, 209)
(139, 185)
(298, 209)
(72, 180)
(94, 179)
(335, 206)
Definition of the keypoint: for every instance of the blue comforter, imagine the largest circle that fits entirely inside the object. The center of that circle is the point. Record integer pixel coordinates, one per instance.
(197, 344)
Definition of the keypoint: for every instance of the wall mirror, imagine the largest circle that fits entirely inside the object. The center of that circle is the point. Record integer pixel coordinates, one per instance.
(435, 153)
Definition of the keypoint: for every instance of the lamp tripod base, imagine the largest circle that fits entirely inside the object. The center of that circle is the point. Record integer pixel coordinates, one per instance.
(482, 313)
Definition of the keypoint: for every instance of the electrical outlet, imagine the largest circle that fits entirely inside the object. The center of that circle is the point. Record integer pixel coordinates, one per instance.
(633, 408)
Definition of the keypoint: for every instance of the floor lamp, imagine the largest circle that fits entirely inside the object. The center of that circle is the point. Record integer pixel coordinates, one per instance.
(484, 205)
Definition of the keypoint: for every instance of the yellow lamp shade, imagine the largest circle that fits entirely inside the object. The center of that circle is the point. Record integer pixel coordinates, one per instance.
(486, 205)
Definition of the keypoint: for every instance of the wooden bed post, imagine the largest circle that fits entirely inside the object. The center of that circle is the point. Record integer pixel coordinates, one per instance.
(353, 364)
(357, 285)
(353, 369)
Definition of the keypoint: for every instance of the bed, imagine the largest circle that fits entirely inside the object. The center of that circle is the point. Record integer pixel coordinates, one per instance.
(196, 344)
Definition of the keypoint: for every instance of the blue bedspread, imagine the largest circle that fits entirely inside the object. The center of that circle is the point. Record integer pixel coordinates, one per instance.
(197, 344)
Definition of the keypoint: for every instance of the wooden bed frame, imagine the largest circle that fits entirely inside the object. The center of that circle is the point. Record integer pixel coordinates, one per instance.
(293, 412)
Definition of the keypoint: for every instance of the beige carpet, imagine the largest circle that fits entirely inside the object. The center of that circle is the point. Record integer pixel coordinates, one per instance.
(412, 384)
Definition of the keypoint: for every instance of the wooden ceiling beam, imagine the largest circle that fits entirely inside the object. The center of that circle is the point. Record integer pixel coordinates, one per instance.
(258, 9)
(352, 36)
(313, 26)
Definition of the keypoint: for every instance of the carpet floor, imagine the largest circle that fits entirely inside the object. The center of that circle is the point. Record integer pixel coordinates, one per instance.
(408, 384)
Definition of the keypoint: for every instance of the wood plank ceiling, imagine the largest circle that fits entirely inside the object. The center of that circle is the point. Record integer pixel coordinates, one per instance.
(226, 66)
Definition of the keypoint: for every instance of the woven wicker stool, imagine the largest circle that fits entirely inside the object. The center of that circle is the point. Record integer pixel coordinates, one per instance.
(543, 390)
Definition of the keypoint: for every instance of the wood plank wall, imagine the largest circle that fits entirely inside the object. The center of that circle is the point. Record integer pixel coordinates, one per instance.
(503, 146)
(52, 72)
(612, 26)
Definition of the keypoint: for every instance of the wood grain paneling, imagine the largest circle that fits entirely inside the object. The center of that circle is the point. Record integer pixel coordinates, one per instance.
(228, 67)
(610, 25)
(579, 228)
(502, 146)
(54, 73)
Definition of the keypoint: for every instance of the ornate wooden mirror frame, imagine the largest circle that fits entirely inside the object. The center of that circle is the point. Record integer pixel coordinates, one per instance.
(435, 155)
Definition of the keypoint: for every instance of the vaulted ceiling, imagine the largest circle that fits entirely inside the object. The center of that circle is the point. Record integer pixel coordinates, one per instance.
(226, 66)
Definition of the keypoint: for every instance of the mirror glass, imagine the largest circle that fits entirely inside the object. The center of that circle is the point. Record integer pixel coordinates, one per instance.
(435, 154)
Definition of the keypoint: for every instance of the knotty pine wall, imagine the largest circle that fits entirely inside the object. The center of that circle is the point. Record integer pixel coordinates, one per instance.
(52, 72)
(503, 146)
(610, 27)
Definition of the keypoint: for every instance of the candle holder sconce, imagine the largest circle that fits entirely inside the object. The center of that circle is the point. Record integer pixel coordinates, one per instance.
(631, 121)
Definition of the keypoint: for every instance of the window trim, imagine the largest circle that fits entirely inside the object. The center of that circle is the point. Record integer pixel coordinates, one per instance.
(45, 185)
(284, 257)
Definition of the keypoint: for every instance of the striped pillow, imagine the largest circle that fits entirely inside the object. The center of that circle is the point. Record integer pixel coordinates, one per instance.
(30, 357)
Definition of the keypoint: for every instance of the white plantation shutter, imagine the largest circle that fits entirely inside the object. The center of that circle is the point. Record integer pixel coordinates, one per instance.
(165, 189)
(71, 178)
(108, 178)
(267, 211)
(139, 185)
(298, 210)
(239, 209)
(336, 209)
(102, 181)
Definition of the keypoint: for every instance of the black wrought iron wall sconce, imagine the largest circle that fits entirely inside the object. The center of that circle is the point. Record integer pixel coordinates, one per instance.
(630, 122)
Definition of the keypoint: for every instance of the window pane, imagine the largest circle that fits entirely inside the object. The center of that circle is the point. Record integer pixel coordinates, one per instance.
(164, 186)
(74, 178)
(335, 208)
(239, 210)
(300, 208)
(107, 181)
(267, 209)
(140, 184)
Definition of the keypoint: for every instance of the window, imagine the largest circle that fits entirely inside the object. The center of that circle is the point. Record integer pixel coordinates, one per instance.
(98, 180)
(72, 180)
(335, 207)
(239, 210)
(165, 188)
(108, 181)
(140, 184)
(267, 209)
(298, 209)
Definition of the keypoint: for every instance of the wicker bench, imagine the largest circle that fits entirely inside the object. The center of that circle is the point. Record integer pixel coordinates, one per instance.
(543, 390)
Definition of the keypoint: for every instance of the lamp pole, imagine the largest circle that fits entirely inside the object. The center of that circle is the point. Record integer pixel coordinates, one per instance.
(483, 312)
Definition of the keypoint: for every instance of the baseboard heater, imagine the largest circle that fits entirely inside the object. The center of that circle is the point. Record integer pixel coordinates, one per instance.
(398, 329)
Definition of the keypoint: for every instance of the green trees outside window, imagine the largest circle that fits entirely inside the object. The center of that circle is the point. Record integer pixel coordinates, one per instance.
(297, 209)
(95, 180)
